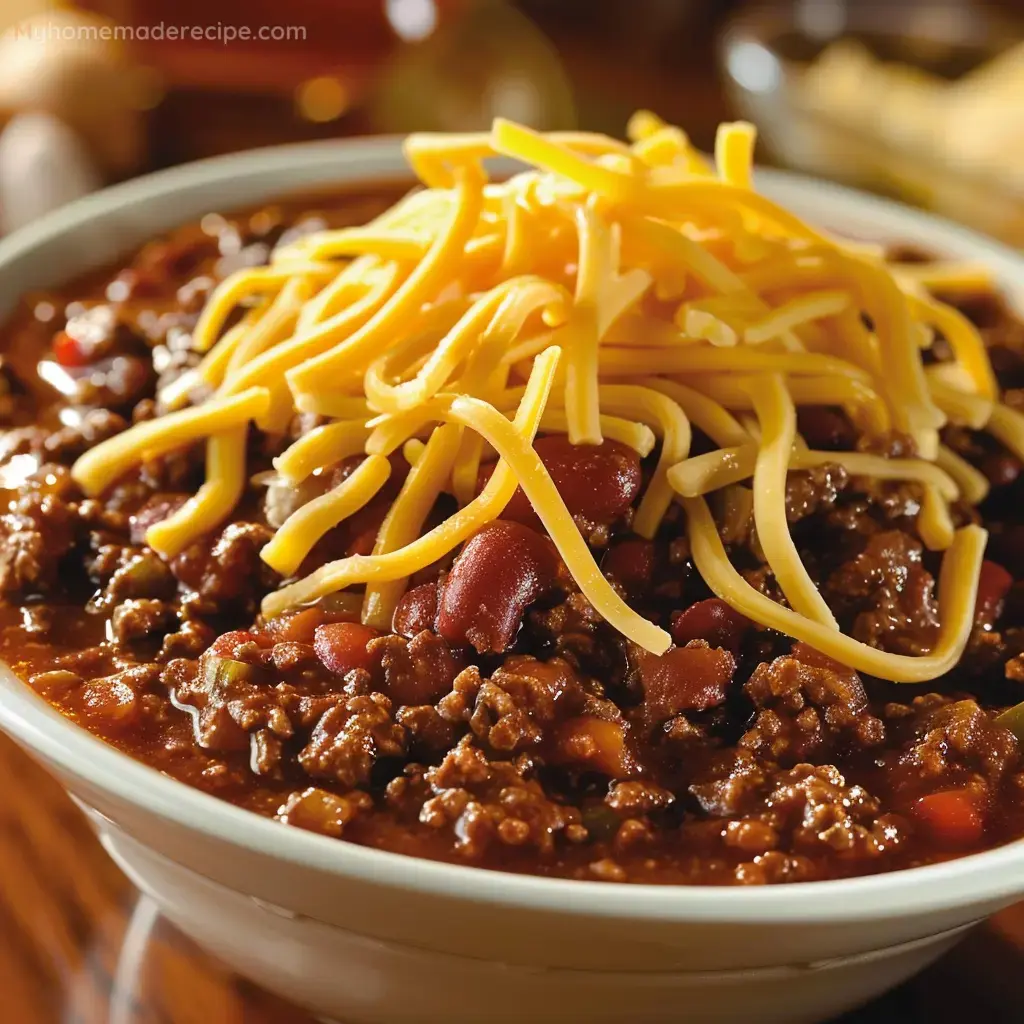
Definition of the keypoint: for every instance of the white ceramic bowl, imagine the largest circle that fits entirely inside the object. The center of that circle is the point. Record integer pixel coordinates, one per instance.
(375, 938)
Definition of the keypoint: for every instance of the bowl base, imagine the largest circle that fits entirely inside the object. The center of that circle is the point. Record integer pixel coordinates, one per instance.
(346, 978)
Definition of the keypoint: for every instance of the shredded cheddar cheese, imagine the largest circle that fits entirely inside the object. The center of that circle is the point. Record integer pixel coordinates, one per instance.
(627, 291)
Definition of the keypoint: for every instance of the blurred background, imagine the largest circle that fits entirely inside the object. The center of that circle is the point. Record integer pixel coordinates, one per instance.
(922, 99)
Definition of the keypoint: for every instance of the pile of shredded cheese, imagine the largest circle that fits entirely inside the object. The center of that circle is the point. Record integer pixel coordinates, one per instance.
(611, 290)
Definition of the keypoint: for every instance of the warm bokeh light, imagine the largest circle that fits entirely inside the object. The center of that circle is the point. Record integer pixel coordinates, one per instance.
(322, 99)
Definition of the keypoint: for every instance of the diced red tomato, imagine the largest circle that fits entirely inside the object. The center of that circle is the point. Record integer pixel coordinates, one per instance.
(68, 352)
(691, 678)
(951, 817)
(226, 646)
(341, 646)
(300, 627)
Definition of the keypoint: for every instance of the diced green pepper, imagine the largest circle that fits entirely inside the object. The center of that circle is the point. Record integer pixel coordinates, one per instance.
(1013, 719)
(223, 672)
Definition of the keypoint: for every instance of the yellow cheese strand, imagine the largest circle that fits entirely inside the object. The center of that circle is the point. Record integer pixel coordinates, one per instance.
(972, 483)
(796, 313)
(777, 417)
(734, 153)
(714, 470)
(515, 258)
(240, 286)
(642, 124)
(431, 156)
(638, 436)
(214, 366)
(332, 405)
(958, 587)
(430, 275)
(352, 283)
(304, 527)
(647, 239)
(384, 243)
(432, 546)
(213, 503)
(649, 406)
(273, 364)
(547, 503)
(273, 326)
(581, 378)
(963, 337)
(95, 471)
(864, 405)
(961, 407)
(703, 411)
(324, 446)
(934, 522)
(404, 522)
(903, 380)
(948, 276)
(522, 296)
(641, 437)
(484, 371)
(467, 463)
(643, 362)
(412, 450)
(547, 153)
(1007, 426)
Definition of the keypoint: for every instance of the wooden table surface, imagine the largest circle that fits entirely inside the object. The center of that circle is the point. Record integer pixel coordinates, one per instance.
(78, 945)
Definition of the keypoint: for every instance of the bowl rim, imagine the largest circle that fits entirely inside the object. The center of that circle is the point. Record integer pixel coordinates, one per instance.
(989, 876)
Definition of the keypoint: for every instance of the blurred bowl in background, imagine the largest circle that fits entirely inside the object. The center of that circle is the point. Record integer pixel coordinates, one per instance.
(921, 102)
(491, 62)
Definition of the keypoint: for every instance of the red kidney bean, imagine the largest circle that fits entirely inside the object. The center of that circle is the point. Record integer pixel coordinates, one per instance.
(499, 573)
(630, 563)
(596, 482)
(341, 646)
(993, 586)
(416, 611)
(712, 620)
(691, 678)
